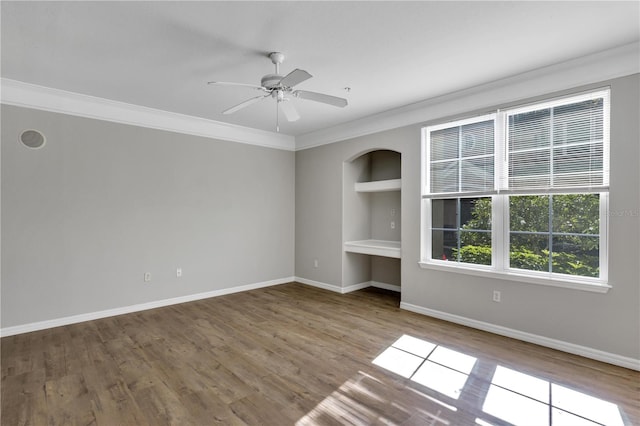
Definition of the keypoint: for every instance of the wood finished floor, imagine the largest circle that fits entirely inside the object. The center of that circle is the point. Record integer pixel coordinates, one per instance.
(290, 355)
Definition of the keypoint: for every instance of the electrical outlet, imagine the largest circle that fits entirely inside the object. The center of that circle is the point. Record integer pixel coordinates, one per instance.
(393, 212)
(147, 277)
(393, 224)
(179, 272)
(315, 263)
(496, 296)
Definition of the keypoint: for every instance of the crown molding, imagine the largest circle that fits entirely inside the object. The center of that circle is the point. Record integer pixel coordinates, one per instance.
(18, 93)
(598, 67)
(595, 68)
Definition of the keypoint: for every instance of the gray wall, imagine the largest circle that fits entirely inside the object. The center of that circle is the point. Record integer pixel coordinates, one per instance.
(84, 217)
(319, 187)
(608, 322)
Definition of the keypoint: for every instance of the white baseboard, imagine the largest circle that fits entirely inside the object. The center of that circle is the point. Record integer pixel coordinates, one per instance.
(324, 286)
(386, 286)
(350, 288)
(584, 351)
(356, 287)
(587, 352)
(41, 325)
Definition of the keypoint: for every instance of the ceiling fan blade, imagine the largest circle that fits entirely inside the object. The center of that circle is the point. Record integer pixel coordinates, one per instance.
(320, 97)
(226, 83)
(244, 104)
(296, 76)
(289, 110)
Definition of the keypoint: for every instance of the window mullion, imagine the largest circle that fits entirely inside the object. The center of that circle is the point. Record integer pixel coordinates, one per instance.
(550, 236)
(500, 152)
(458, 231)
(459, 158)
(427, 235)
(499, 204)
(551, 146)
(604, 236)
(500, 232)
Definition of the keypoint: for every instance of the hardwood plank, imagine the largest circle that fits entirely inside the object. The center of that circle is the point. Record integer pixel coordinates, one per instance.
(68, 401)
(287, 354)
(25, 403)
(260, 410)
(206, 409)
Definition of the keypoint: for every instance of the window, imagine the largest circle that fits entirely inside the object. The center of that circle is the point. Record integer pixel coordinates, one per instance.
(460, 231)
(522, 193)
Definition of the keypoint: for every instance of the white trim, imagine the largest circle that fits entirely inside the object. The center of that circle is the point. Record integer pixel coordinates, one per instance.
(530, 277)
(604, 236)
(375, 247)
(41, 325)
(572, 348)
(379, 186)
(598, 67)
(603, 93)
(595, 68)
(356, 287)
(348, 289)
(386, 286)
(333, 287)
(459, 123)
(28, 95)
(318, 284)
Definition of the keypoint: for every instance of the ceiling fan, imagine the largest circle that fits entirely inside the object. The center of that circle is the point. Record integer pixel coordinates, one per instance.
(281, 89)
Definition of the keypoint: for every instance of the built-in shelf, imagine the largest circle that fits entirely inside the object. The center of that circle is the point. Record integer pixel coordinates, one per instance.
(379, 186)
(371, 214)
(374, 247)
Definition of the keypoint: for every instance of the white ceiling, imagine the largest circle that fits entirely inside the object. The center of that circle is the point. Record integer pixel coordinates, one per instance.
(391, 54)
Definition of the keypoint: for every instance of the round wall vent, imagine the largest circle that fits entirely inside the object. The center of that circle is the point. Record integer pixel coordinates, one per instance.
(32, 139)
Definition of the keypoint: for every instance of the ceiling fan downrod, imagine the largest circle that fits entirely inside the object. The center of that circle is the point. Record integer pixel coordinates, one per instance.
(276, 58)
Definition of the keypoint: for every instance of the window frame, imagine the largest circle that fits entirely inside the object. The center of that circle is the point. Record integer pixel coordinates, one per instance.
(425, 153)
(500, 220)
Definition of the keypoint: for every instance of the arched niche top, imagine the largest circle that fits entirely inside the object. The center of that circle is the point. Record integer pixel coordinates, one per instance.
(370, 150)
(375, 165)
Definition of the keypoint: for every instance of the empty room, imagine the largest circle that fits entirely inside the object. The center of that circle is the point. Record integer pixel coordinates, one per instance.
(320, 213)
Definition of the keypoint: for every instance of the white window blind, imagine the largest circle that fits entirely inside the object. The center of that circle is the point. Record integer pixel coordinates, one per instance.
(461, 158)
(559, 147)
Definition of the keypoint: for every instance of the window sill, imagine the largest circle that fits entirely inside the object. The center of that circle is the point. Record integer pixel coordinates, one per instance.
(593, 286)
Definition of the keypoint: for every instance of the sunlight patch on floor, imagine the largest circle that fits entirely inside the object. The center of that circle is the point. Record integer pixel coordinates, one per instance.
(513, 393)
(511, 396)
(350, 404)
(436, 367)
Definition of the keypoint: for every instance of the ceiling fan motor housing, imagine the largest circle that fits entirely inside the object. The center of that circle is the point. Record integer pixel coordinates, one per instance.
(271, 81)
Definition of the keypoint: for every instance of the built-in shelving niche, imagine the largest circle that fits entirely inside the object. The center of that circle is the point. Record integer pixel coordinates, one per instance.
(371, 220)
